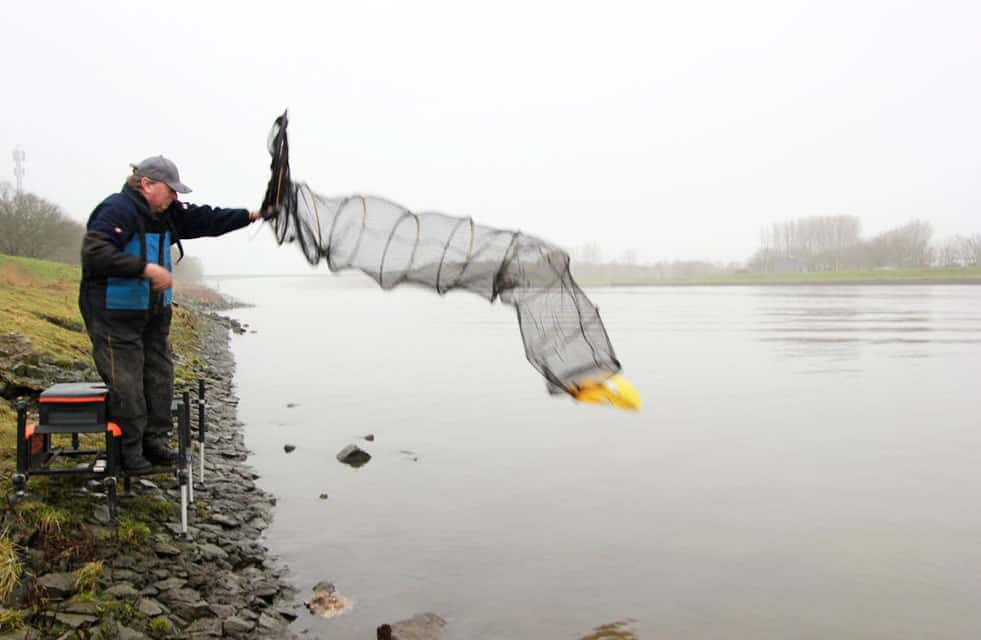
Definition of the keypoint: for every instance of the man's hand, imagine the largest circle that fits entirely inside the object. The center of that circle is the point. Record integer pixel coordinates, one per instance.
(159, 277)
(263, 214)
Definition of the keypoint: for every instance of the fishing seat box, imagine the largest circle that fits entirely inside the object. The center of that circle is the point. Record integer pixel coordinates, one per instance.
(82, 407)
(73, 407)
(68, 409)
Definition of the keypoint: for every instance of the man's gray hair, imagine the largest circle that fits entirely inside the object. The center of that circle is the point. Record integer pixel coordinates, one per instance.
(133, 181)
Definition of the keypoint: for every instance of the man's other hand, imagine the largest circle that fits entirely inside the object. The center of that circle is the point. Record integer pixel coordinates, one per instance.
(263, 214)
(159, 277)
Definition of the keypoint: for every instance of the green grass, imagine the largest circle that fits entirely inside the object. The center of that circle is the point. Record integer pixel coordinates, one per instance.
(118, 610)
(87, 576)
(10, 567)
(152, 508)
(160, 627)
(131, 530)
(40, 300)
(11, 619)
(49, 519)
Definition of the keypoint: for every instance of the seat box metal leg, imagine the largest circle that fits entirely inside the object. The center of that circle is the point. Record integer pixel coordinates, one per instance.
(202, 429)
(183, 417)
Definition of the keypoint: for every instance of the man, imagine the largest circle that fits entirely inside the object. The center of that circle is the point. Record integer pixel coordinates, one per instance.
(125, 297)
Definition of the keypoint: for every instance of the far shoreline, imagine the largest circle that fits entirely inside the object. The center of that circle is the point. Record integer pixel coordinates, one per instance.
(784, 283)
(971, 276)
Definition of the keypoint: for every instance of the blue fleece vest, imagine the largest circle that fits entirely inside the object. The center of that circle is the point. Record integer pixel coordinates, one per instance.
(133, 294)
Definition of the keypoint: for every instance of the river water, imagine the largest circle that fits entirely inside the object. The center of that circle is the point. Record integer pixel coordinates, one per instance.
(805, 464)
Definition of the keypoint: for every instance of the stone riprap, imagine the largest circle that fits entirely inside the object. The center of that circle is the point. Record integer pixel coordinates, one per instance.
(220, 582)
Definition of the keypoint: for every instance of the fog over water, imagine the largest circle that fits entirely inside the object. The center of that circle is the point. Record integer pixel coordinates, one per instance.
(660, 130)
(803, 466)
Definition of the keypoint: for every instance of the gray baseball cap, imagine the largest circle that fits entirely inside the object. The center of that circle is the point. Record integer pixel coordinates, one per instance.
(161, 169)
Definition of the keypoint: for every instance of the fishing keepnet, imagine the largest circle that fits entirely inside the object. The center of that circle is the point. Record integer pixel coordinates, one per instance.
(564, 338)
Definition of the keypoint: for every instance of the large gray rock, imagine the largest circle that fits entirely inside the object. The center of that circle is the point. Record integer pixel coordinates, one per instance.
(125, 633)
(422, 626)
(85, 608)
(353, 455)
(225, 521)
(166, 549)
(123, 591)
(223, 611)
(212, 552)
(204, 628)
(170, 583)
(265, 589)
(57, 585)
(100, 514)
(74, 620)
(271, 624)
(238, 627)
(187, 603)
(23, 368)
(149, 607)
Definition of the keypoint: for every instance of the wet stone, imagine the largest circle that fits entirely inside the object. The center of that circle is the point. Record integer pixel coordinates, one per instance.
(238, 627)
(123, 591)
(265, 589)
(125, 633)
(170, 583)
(286, 613)
(166, 549)
(223, 611)
(100, 514)
(225, 521)
(271, 623)
(74, 620)
(353, 455)
(126, 575)
(149, 607)
(84, 608)
(249, 614)
(212, 552)
(325, 586)
(422, 626)
(58, 585)
(204, 628)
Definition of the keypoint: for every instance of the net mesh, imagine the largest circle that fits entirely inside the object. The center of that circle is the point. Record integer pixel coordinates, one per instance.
(564, 338)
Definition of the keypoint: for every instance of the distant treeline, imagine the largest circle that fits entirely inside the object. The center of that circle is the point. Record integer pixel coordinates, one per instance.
(33, 227)
(805, 245)
(833, 243)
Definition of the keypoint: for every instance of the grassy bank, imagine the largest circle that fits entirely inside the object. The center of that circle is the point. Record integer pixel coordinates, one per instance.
(967, 275)
(39, 299)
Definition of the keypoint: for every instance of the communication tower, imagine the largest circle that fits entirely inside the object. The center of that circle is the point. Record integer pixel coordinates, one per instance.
(19, 158)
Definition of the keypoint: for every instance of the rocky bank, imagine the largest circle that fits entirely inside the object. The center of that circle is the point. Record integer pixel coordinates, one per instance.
(221, 582)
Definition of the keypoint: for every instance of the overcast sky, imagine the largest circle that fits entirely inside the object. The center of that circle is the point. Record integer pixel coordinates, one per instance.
(676, 129)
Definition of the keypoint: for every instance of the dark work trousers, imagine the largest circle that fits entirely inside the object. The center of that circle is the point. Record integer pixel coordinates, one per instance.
(132, 354)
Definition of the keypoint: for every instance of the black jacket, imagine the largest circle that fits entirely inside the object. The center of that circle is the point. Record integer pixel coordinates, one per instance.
(123, 235)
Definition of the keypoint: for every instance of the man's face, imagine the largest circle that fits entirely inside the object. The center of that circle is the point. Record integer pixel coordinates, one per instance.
(158, 194)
